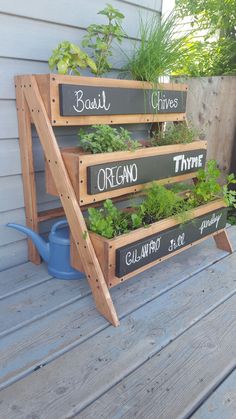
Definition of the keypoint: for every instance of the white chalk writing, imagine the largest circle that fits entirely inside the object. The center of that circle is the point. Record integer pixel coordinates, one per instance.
(183, 163)
(160, 102)
(99, 102)
(145, 251)
(209, 222)
(176, 243)
(111, 177)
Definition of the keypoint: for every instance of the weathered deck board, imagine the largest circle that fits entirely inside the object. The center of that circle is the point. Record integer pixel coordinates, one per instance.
(21, 277)
(176, 380)
(75, 379)
(32, 303)
(32, 345)
(222, 403)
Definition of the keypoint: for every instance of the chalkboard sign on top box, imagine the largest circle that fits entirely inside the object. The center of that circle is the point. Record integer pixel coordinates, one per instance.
(79, 100)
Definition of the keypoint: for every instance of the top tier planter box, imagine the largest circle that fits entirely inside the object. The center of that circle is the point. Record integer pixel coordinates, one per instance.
(76, 100)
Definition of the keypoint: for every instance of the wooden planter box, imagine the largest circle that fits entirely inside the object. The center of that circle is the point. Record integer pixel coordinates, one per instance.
(124, 256)
(96, 177)
(77, 100)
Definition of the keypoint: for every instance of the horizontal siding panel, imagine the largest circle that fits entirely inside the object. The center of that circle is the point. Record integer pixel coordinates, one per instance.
(35, 40)
(9, 125)
(8, 118)
(77, 13)
(9, 157)
(11, 67)
(151, 4)
(13, 254)
(9, 235)
(11, 188)
(10, 163)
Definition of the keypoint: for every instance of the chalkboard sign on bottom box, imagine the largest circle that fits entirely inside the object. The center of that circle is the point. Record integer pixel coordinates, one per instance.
(142, 252)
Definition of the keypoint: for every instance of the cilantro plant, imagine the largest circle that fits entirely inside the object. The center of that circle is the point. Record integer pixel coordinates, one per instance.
(68, 58)
(108, 221)
(100, 38)
(105, 139)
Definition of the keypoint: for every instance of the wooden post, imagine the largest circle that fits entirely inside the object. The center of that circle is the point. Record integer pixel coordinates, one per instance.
(67, 195)
(222, 241)
(27, 164)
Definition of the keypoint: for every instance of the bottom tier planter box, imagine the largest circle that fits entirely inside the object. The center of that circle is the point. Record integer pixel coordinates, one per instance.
(124, 256)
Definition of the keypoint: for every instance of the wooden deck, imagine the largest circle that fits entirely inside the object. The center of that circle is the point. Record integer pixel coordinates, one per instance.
(174, 355)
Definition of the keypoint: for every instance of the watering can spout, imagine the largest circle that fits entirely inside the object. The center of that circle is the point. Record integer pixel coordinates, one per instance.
(41, 245)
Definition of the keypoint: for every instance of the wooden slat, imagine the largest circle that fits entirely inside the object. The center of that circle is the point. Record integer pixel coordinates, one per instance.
(222, 403)
(72, 210)
(36, 302)
(20, 278)
(27, 164)
(174, 382)
(75, 322)
(115, 353)
(50, 214)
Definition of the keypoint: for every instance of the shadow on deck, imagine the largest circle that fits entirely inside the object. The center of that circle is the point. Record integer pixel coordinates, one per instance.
(173, 356)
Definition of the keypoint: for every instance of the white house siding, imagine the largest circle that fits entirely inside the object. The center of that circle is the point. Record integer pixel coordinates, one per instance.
(29, 31)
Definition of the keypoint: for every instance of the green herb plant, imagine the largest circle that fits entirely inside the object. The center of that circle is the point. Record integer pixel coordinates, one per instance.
(108, 221)
(100, 38)
(67, 58)
(208, 188)
(179, 133)
(160, 203)
(105, 139)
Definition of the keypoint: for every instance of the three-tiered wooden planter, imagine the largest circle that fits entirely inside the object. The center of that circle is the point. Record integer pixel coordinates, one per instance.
(81, 179)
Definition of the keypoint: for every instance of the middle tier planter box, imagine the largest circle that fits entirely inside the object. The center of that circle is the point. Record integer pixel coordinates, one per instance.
(124, 256)
(96, 177)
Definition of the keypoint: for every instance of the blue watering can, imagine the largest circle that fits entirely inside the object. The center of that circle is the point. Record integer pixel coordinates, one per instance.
(56, 252)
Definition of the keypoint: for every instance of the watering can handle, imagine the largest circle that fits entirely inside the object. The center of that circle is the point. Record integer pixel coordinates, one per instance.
(58, 224)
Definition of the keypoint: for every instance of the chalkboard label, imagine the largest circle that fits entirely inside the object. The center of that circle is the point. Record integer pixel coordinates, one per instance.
(76, 100)
(142, 252)
(121, 174)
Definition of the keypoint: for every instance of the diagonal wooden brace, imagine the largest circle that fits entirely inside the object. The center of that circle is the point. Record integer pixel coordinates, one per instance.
(68, 199)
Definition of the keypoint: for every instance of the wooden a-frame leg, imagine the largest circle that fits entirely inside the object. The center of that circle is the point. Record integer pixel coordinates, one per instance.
(67, 195)
(222, 241)
(27, 164)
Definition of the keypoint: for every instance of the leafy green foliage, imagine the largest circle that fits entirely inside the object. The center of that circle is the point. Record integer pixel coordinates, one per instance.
(231, 216)
(108, 221)
(159, 51)
(160, 203)
(216, 53)
(68, 57)
(174, 134)
(208, 188)
(100, 38)
(105, 139)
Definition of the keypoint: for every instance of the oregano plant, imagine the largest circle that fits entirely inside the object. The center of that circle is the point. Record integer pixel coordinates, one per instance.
(105, 139)
(99, 38)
